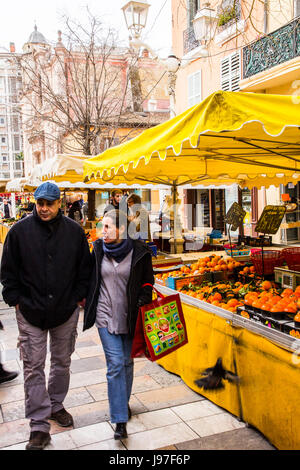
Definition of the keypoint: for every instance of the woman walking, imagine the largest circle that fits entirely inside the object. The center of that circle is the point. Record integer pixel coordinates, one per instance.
(121, 282)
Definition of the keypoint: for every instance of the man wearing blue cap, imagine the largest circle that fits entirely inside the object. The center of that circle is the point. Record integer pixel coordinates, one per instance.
(45, 272)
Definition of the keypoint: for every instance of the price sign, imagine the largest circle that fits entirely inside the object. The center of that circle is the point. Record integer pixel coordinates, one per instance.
(270, 220)
(235, 216)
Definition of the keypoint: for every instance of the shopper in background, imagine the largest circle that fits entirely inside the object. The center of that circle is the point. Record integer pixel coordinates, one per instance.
(75, 211)
(121, 282)
(45, 272)
(5, 375)
(6, 210)
(139, 217)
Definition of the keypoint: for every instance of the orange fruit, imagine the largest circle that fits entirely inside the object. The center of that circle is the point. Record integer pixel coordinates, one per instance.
(275, 299)
(290, 308)
(217, 296)
(266, 306)
(276, 308)
(266, 285)
(287, 292)
(232, 303)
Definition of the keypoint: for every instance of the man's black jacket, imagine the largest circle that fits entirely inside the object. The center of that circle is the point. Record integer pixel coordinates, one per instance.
(141, 273)
(45, 269)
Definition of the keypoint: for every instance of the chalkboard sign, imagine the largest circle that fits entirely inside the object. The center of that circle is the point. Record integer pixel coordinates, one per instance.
(235, 216)
(270, 220)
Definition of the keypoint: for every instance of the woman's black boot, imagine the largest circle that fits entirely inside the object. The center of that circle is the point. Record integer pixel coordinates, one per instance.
(120, 432)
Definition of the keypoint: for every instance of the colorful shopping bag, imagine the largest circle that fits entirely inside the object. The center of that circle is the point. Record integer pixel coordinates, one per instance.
(160, 328)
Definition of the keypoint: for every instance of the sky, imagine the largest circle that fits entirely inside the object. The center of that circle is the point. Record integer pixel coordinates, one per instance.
(18, 18)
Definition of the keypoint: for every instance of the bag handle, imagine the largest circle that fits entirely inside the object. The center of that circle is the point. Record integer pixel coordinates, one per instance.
(154, 288)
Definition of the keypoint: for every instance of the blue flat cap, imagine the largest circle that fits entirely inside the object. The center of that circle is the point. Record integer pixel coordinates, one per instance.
(48, 191)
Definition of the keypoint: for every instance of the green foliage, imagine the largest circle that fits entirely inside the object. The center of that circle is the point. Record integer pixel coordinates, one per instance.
(227, 15)
(20, 156)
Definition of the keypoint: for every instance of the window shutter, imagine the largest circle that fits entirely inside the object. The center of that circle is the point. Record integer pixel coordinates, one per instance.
(194, 88)
(231, 72)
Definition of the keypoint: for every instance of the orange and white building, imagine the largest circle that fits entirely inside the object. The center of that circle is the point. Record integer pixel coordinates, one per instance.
(249, 46)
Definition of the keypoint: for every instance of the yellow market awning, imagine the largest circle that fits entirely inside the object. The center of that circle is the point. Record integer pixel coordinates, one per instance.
(62, 167)
(16, 185)
(231, 137)
(67, 172)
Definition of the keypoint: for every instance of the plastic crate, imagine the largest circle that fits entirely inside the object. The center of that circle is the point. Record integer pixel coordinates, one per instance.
(237, 252)
(292, 257)
(177, 283)
(153, 247)
(271, 259)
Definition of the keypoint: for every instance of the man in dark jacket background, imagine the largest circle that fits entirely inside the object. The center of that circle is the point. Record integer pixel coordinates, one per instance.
(45, 272)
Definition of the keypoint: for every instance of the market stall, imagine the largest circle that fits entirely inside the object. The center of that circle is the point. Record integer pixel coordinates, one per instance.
(19, 197)
(266, 360)
(228, 138)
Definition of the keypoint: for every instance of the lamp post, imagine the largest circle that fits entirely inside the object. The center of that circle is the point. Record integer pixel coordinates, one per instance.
(135, 14)
(203, 26)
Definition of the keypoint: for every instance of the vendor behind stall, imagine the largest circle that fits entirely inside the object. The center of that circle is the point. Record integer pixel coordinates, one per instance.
(139, 216)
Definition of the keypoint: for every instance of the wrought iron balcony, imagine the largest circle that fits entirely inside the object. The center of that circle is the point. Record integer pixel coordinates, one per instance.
(274, 49)
(189, 40)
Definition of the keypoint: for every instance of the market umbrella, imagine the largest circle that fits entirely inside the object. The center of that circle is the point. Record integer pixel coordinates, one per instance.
(231, 137)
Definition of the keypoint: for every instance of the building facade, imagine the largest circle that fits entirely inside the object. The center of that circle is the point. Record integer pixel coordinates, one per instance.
(250, 46)
(130, 96)
(11, 141)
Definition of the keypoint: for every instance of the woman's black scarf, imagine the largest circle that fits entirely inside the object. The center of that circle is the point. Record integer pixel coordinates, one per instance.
(118, 251)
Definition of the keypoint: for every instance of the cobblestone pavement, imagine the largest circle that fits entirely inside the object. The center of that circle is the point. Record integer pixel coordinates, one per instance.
(166, 413)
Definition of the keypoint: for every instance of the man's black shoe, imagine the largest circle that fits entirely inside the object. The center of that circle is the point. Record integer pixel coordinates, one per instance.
(63, 418)
(120, 432)
(6, 376)
(38, 440)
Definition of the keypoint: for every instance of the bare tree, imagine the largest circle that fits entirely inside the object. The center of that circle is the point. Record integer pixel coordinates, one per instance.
(77, 94)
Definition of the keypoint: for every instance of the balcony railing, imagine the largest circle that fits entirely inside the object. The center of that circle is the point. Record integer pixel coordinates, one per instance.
(274, 49)
(189, 40)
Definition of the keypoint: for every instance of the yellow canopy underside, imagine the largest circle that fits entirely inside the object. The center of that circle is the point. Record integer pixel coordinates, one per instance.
(67, 172)
(231, 137)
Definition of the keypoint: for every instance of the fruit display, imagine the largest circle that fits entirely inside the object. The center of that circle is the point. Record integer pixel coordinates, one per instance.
(246, 293)
(91, 236)
(207, 264)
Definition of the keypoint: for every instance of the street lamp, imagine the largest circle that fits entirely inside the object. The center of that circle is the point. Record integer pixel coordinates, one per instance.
(203, 26)
(135, 14)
